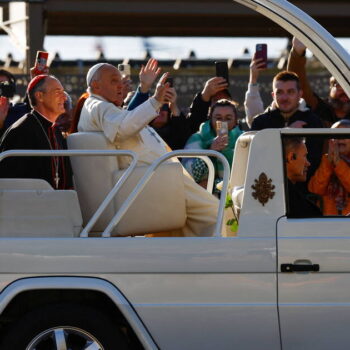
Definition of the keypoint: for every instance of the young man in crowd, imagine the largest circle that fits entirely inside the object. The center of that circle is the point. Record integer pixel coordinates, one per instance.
(290, 111)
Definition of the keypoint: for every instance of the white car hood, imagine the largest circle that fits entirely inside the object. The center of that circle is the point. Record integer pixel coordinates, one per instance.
(320, 42)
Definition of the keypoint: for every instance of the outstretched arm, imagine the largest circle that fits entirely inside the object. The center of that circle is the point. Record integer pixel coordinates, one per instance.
(253, 104)
(296, 64)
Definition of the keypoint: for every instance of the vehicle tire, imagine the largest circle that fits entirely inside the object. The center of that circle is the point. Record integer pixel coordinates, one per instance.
(64, 326)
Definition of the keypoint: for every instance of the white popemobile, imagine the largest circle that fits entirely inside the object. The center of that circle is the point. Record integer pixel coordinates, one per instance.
(67, 281)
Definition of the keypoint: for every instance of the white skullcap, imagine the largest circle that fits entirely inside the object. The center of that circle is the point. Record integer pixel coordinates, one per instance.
(90, 74)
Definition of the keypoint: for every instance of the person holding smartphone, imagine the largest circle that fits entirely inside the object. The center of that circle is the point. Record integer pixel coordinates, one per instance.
(219, 133)
(253, 104)
(130, 130)
(10, 113)
(336, 106)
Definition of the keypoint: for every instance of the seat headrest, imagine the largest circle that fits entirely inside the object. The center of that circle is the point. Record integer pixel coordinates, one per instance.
(88, 140)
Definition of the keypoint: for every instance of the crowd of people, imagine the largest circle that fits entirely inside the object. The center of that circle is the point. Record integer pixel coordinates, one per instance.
(153, 124)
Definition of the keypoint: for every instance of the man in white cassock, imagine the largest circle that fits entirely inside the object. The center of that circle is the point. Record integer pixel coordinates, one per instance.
(129, 130)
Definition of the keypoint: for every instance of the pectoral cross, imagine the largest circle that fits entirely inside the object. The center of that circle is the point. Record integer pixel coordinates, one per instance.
(57, 179)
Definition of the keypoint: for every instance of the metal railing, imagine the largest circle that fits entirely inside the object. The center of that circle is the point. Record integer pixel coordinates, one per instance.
(202, 154)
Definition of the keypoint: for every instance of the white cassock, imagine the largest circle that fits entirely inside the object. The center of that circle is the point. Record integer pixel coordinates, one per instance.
(129, 130)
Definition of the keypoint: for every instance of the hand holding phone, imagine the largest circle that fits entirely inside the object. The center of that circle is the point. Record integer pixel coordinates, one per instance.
(40, 66)
(222, 131)
(124, 69)
(170, 80)
(222, 70)
(261, 52)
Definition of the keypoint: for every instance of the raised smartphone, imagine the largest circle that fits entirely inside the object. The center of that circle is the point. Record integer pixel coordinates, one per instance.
(41, 62)
(170, 80)
(124, 69)
(261, 52)
(222, 70)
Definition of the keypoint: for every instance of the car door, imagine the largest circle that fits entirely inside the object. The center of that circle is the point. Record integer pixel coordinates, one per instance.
(314, 303)
(314, 282)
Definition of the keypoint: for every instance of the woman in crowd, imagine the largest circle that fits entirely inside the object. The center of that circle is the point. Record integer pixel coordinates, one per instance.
(215, 136)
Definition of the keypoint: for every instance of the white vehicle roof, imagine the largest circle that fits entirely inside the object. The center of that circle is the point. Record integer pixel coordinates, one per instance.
(317, 39)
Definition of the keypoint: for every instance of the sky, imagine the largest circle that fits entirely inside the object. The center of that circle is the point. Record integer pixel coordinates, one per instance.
(85, 47)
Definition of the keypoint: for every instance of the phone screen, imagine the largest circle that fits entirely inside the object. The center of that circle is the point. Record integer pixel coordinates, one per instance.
(124, 69)
(41, 61)
(170, 80)
(261, 52)
(222, 69)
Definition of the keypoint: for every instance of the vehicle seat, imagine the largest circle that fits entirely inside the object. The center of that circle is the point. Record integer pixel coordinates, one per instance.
(159, 207)
(32, 208)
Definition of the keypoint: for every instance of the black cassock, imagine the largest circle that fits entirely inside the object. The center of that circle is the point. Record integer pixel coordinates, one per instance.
(34, 132)
(299, 205)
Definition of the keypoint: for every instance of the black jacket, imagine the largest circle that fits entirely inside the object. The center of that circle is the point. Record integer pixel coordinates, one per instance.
(32, 132)
(299, 206)
(273, 119)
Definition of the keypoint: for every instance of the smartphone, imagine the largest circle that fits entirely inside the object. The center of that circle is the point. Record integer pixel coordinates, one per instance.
(170, 80)
(41, 62)
(222, 69)
(221, 128)
(124, 69)
(261, 52)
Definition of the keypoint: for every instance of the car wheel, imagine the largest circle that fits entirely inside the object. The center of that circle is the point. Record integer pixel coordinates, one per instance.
(64, 327)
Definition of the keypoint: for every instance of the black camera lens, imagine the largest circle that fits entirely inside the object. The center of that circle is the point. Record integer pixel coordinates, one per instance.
(7, 89)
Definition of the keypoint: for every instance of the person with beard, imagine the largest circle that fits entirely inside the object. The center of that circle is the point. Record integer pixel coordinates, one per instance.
(297, 164)
(336, 107)
(289, 110)
(331, 180)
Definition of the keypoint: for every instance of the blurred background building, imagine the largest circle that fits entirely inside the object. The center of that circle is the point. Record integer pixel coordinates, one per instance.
(185, 36)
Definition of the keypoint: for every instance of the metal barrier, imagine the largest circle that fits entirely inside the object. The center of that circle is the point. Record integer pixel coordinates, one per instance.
(203, 154)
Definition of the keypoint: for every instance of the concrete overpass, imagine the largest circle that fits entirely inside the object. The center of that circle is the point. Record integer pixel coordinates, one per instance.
(163, 18)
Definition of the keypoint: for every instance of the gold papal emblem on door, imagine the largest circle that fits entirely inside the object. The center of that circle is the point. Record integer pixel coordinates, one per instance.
(263, 189)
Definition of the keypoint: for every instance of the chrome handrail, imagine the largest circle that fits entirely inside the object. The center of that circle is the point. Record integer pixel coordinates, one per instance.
(211, 173)
(111, 194)
(203, 154)
(150, 171)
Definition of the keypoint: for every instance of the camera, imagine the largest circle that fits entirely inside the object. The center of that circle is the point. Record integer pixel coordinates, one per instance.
(124, 69)
(7, 89)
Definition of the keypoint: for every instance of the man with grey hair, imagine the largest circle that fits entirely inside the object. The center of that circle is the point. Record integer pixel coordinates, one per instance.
(37, 131)
(130, 130)
(297, 164)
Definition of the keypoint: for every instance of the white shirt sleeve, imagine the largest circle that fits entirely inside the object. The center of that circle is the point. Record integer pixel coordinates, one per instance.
(117, 123)
(253, 104)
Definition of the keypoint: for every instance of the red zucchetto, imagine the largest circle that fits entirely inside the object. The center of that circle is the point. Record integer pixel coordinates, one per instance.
(35, 81)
